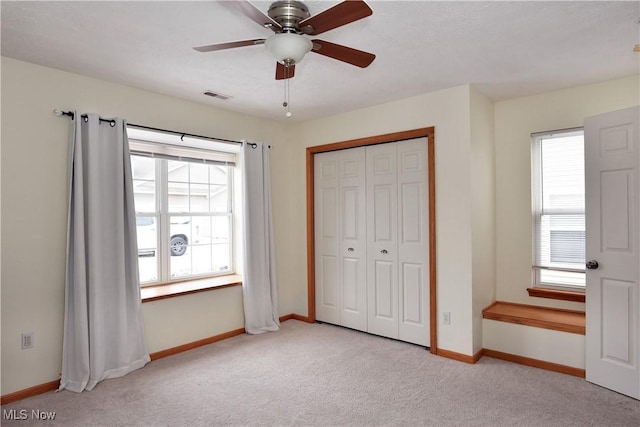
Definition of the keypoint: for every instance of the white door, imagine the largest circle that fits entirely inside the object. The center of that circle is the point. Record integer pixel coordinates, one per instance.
(413, 242)
(353, 243)
(612, 156)
(382, 239)
(327, 239)
(340, 242)
(372, 239)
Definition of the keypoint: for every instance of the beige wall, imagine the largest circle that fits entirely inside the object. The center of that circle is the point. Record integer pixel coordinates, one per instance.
(483, 202)
(34, 194)
(34, 213)
(515, 120)
(449, 111)
(558, 347)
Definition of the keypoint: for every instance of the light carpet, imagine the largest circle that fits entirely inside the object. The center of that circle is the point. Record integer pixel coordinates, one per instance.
(324, 375)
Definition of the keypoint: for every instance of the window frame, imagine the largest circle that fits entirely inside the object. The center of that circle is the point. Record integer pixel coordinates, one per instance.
(161, 212)
(537, 212)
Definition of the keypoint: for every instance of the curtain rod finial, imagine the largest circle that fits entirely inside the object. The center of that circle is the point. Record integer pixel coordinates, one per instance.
(61, 113)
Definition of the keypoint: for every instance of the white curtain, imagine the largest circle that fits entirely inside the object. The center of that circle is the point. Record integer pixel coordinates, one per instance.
(103, 331)
(259, 279)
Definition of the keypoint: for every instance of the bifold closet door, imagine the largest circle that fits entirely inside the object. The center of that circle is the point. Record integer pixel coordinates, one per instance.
(382, 240)
(413, 242)
(340, 242)
(397, 241)
(371, 239)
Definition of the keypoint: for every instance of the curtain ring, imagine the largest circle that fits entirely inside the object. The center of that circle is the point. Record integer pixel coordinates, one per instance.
(112, 123)
(86, 119)
(182, 138)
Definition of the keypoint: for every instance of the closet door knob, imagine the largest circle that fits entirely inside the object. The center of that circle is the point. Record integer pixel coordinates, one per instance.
(384, 251)
(350, 249)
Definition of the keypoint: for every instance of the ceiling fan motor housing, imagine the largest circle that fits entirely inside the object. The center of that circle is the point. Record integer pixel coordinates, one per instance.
(288, 13)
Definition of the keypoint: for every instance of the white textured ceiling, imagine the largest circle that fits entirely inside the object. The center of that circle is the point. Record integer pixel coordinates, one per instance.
(505, 49)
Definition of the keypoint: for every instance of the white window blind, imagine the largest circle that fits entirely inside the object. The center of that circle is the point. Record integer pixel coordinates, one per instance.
(558, 209)
(173, 147)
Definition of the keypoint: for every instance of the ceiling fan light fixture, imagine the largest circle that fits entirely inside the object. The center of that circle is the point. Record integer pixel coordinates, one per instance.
(288, 48)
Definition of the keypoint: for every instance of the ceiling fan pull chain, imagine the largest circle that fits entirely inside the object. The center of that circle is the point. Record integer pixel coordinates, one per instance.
(285, 103)
(287, 90)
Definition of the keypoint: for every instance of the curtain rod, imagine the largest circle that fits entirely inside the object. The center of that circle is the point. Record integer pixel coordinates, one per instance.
(183, 134)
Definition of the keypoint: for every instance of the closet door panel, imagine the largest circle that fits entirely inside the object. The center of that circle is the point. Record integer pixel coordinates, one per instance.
(383, 215)
(411, 293)
(382, 231)
(328, 226)
(350, 295)
(352, 245)
(410, 225)
(413, 242)
(327, 276)
(383, 290)
(326, 229)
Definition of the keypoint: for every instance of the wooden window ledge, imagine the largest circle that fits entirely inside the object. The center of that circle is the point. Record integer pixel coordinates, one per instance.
(557, 294)
(170, 290)
(541, 317)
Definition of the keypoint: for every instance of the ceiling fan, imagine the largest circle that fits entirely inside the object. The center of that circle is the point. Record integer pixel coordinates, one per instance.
(292, 24)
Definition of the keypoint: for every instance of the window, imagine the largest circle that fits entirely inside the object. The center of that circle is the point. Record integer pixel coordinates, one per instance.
(558, 209)
(184, 199)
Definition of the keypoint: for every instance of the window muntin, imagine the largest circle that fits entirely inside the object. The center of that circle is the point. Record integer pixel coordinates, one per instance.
(558, 209)
(184, 209)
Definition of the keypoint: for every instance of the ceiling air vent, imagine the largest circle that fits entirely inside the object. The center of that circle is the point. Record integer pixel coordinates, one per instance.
(217, 95)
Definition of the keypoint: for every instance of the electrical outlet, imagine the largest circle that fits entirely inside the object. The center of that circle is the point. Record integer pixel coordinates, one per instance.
(28, 340)
(446, 318)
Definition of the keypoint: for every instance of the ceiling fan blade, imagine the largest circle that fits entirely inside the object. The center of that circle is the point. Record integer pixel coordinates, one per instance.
(336, 16)
(229, 45)
(253, 13)
(283, 72)
(346, 54)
